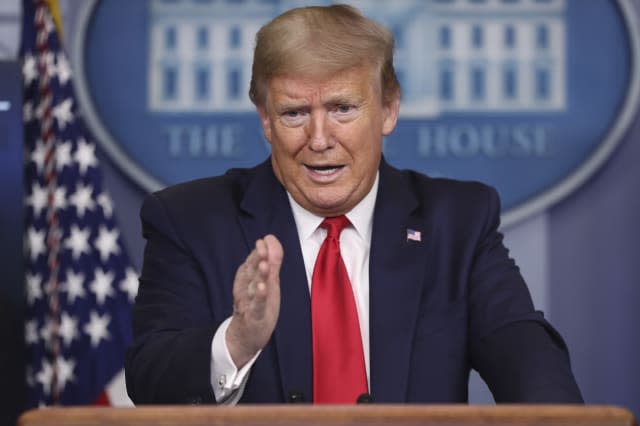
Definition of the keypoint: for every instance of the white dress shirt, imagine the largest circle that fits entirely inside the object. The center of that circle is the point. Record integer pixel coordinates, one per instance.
(355, 241)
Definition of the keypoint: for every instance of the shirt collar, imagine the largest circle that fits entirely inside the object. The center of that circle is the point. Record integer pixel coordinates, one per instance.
(361, 216)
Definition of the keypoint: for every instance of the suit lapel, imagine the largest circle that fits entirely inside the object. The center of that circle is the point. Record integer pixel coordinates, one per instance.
(268, 212)
(396, 273)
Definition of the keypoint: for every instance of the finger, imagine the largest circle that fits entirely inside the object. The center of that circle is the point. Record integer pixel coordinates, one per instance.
(261, 249)
(256, 274)
(251, 264)
(257, 289)
(257, 256)
(259, 302)
(247, 269)
(275, 256)
(274, 249)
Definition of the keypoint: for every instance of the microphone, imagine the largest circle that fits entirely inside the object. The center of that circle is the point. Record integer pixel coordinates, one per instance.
(296, 397)
(365, 398)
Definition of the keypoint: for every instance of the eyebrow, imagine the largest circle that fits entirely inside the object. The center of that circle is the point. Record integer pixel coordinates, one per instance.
(338, 99)
(290, 105)
(341, 99)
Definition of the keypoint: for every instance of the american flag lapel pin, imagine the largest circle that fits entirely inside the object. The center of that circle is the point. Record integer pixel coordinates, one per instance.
(414, 235)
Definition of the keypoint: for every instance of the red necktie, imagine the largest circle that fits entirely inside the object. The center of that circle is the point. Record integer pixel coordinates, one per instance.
(339, 374)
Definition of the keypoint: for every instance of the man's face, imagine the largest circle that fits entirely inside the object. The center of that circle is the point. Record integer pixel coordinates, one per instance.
(326, 137)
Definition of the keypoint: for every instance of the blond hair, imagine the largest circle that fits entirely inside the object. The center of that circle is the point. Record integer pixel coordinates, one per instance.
(319, 42)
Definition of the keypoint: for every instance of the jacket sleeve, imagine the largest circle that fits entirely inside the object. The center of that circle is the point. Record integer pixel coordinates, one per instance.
(173, 326)
(516, 351)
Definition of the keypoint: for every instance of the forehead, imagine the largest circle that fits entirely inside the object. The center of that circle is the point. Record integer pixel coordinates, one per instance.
(353, 82)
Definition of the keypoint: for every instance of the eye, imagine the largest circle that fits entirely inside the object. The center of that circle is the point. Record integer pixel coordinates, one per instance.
(344, 108)
(292, 117)
(344, 113)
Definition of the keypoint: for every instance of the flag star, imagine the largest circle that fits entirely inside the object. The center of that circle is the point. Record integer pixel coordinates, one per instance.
(97, 328)
(63, 155)
(68, 328)
(129, 284)
(62, 112)
(39, 154)
(74, 286)
(47, 286)
(34, 287)
(29, 69)
(31, 332)
(65, 369)
(101, 285)
(37, 199)
(64, 70)
(44, 376)
(105, 202)
(60, 198)
(78, 241)
(85, 155)
(35, 243)
(82, 199)
(107, 242)
(46, 332)
(39, 111)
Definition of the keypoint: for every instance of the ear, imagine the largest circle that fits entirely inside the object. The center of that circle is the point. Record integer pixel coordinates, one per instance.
(265, 122)
(390, 113)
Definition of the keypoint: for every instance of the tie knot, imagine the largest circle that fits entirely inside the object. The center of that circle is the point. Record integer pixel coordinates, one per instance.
(334, 225)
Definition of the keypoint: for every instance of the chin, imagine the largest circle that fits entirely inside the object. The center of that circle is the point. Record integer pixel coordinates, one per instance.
(329, 207)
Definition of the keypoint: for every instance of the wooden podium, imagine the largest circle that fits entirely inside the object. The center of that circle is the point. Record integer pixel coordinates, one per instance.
(313, 415)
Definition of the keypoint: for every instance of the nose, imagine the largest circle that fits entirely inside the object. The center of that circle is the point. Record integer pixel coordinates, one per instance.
(318, 132)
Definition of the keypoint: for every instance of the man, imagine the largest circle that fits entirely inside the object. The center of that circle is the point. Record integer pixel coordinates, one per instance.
(241, 296)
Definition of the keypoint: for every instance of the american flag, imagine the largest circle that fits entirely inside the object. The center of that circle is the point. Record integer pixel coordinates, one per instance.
(413, 235)
(79, 283)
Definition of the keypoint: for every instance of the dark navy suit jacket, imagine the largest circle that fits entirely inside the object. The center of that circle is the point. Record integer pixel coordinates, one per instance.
(438, 307)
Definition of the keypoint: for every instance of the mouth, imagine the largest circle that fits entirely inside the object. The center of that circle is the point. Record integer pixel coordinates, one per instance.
(324, 173)
(324, 170)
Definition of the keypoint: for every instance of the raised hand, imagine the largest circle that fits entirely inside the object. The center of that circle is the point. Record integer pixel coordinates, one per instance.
(256, 301)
